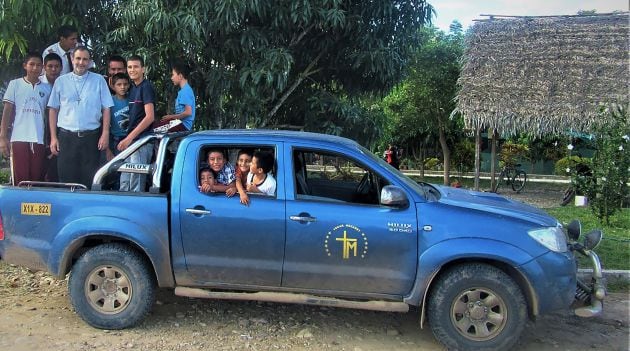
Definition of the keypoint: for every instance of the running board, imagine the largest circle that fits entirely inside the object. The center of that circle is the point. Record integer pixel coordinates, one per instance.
(304, 299)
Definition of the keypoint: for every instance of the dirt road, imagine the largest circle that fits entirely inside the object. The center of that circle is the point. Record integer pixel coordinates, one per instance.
(35, 314)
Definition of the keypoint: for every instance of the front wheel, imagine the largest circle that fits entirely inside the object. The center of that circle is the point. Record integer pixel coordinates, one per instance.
(111, 286)
(476, 307)
(518, 183)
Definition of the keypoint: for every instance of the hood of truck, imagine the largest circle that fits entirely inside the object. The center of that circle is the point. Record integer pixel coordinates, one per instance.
(493, 203)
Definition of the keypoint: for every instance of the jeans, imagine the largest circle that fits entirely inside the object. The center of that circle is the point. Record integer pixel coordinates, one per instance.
(133, 181)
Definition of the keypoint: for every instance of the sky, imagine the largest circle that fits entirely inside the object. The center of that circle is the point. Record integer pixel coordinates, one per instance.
(465, 11)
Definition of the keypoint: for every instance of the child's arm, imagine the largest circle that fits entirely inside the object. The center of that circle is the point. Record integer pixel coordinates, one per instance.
(221, 188)
(252, 188)
(242, 193)
(187, 113)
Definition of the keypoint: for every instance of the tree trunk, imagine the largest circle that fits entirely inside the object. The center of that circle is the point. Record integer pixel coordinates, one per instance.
(446, 153)
(493, 158)
(422, 157)
(477, 156)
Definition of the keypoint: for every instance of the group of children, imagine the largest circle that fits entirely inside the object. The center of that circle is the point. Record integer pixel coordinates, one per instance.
(252, 174)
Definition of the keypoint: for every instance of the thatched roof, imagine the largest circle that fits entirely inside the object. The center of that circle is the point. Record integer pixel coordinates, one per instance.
(543, 74)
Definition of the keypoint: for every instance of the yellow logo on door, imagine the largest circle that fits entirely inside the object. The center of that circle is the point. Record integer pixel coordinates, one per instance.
(349, 241)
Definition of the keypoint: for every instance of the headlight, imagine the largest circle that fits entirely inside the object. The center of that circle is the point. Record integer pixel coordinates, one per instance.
(552, 238)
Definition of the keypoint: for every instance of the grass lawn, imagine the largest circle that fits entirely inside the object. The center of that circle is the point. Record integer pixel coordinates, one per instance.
(614, 250)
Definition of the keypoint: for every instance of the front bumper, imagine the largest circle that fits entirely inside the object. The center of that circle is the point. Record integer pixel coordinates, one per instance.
(593, 292)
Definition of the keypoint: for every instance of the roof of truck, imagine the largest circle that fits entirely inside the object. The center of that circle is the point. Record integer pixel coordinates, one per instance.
(276, 134)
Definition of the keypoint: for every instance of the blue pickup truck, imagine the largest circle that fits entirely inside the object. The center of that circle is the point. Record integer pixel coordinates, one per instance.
(343, 229)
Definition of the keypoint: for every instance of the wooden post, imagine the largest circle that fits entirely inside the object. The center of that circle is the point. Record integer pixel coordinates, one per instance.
(493, 157)
(477, 156)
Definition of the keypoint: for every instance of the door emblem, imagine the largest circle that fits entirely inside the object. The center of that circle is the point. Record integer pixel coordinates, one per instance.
(347, 241)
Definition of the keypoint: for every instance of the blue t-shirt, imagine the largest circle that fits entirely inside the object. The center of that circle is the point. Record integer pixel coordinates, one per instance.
(186, 96)
(140, 95)
(120, 117)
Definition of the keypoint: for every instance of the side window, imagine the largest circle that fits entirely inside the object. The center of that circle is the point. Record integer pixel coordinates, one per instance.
(232, 169)
(330, 177)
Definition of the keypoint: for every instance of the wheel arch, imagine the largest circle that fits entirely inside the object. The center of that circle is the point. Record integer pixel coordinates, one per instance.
(76, 238)
(519, 278)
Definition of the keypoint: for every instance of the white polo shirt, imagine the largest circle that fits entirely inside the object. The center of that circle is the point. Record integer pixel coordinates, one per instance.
(56, 48)
(80, 100)
(268, 186)
(30, 104)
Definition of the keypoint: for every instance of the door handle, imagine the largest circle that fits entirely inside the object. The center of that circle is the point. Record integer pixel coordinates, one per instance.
(197, 211)
(303, 218)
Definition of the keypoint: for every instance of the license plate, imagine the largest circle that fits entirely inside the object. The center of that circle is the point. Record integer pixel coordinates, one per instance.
(36, 209)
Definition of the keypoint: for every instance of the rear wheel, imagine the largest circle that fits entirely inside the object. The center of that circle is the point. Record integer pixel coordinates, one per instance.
(111, 286)
(476, 307)
(518, 183)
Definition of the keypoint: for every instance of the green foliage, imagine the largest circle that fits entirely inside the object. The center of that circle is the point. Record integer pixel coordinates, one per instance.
(611, 163)
(5, 176)
(463, 156)
(432, 164)
(614, 250)
(511, 152)
(306, 64)
(567, 166)
(419, 109)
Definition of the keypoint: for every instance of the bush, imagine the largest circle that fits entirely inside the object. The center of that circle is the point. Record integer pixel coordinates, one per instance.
(511, 152)
(567, 166)
(611, 163)
(463, 156)
(432, 164)
(5, 175)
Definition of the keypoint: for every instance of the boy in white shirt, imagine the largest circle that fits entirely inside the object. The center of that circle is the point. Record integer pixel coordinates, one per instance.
(24, 110)
(260, 179)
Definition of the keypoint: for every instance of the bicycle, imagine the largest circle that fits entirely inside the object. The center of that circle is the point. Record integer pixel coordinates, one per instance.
(513, 176)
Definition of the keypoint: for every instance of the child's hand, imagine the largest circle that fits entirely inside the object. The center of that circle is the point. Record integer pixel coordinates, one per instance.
(230, 192)
(206, 188)
(244, 199)
(252, 188)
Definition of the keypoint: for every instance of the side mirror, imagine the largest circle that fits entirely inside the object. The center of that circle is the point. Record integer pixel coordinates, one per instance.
(393, 196)
(592, 239)
(574, 229)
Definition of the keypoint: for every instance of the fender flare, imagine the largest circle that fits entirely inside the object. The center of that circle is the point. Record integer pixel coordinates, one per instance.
(74, 234)
(433, 259)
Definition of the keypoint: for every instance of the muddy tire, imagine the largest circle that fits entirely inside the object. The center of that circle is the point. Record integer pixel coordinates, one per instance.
(476, 307)
(112, 286)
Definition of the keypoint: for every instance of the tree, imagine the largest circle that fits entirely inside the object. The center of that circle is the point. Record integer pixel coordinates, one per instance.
(422, 104)
(298, 64)
(288, 63)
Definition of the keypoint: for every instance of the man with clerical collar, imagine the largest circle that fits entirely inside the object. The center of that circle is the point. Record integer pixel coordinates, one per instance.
(79, 120)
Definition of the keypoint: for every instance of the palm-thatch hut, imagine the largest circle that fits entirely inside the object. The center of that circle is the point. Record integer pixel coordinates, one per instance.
(543, 75)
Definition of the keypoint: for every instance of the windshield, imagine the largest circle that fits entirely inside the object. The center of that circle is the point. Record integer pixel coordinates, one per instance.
(426, 190)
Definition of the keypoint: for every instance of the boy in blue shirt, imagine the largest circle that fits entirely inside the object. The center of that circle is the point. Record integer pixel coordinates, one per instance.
(185, 102)
(120, 113)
